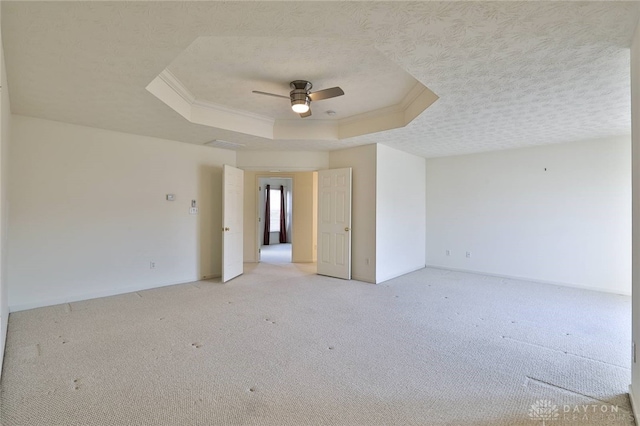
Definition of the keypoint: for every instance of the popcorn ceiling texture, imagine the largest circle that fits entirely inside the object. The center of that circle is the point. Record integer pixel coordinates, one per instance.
(226, 69)
(508, 74)
(282, 346)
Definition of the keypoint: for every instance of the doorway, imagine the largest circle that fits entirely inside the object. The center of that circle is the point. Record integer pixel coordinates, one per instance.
(275, 214)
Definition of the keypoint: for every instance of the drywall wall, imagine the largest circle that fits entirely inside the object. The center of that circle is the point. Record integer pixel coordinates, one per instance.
(362, 161)
(555, 213)
(88, 212)
(283, 161)
(634, 388)
(400, 213)
(304, 215)
(5, 133)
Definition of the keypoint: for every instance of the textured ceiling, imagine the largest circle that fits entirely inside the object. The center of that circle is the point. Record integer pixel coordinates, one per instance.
(224, 70)
(508, 74)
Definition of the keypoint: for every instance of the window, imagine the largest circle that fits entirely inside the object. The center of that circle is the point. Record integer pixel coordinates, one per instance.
(274, 224)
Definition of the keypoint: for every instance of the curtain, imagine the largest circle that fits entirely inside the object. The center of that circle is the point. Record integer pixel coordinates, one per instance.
(267, 218)
(283, 215)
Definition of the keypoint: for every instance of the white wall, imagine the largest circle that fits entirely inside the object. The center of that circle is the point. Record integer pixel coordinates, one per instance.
(400, 213)
(362, 160)
(5, 133)
(556, 213)
(634, 389)
(283, 160)
(88, 212)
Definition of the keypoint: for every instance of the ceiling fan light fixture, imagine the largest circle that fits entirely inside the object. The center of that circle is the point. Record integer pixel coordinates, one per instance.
(300, 105)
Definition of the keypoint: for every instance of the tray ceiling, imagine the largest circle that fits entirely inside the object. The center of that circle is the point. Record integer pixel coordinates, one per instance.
(508, 74)
(224, 70)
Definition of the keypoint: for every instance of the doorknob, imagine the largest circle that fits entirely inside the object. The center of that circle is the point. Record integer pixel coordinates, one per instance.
(347, 229)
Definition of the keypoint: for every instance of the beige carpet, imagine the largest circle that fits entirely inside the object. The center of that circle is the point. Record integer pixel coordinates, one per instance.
(281, 346)
(276, 253)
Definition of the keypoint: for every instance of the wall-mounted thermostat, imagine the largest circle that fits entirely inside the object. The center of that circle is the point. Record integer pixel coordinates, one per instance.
(171, 197)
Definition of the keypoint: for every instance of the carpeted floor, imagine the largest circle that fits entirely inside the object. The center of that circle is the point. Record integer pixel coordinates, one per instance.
(276, 253)
(281, 346)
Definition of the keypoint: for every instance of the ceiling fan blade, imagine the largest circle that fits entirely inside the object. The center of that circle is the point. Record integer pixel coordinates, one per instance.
(306, 114)
(270, 94)
(326, 94)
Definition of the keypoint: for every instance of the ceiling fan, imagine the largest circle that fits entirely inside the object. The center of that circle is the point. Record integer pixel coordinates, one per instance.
(301, 96)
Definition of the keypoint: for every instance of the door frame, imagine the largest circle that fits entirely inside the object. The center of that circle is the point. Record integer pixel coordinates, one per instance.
(270, 175)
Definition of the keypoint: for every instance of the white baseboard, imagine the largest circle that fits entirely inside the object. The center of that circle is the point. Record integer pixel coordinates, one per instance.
(362, 279)
(633, 406)
(88, 296)
(536, 280)
(3, 330)
(210, 277)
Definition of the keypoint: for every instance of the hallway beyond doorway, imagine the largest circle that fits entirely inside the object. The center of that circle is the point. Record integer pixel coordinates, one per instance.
(276, 253)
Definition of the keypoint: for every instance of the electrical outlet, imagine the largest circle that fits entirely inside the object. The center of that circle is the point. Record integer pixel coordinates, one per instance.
(193, 210)
(152, 265)
(468, 254)
(448, 252)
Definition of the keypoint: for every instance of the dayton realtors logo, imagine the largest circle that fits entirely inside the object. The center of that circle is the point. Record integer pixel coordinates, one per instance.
(545, 411)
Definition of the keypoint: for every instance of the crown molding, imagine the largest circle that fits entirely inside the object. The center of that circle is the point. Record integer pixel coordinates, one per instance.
(170, 90)
(172, 81)
(220, 108)
(413, 94)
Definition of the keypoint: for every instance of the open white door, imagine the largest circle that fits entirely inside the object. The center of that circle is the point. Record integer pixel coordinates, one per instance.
(232, 222)
(334, 223)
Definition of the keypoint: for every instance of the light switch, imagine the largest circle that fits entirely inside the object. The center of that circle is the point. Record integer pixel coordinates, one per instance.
(171, 197)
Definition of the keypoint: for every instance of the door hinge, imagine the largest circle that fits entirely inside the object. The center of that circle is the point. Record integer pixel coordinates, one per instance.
(259, 188)
(259, 219)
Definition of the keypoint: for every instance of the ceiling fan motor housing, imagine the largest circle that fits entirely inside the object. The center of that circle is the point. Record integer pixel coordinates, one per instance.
(300, 85)
(299, 94)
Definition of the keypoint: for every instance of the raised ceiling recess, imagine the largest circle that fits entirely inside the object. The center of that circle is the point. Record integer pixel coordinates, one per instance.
(211, 83)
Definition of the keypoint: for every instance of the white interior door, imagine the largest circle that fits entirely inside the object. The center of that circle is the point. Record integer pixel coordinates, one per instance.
(334, 223)
(232, 222)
